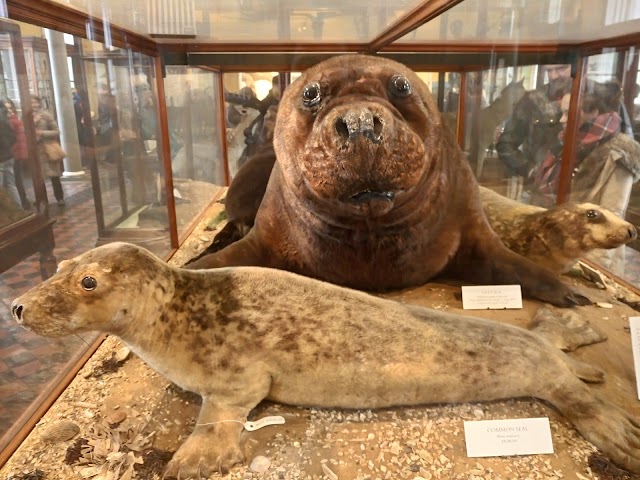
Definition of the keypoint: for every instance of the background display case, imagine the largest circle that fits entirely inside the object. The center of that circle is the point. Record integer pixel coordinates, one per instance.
(151, 116)
(23, 232)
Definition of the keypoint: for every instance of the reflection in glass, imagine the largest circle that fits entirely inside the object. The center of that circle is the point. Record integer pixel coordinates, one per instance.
(607, 160)
(195, 134)
(107, 121)
(253, 21)
(251, 99)
(514, 21)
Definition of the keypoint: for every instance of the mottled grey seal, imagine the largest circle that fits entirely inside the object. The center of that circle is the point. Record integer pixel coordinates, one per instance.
(369, 191)
(239, 335)
(558, 237)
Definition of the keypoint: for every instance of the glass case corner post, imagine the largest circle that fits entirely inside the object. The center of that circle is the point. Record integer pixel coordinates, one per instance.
(160, 73)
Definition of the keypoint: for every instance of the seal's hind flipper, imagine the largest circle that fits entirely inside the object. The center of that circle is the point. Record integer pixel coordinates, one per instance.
(566, 329)
(585, 372)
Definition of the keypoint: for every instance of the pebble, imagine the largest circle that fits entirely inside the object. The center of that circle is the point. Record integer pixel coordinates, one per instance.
(604, 305)
(260, 464)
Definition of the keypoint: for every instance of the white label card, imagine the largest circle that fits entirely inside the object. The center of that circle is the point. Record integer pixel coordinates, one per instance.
(263, 422)
(634, 324)
(497, 438)
(482, 297)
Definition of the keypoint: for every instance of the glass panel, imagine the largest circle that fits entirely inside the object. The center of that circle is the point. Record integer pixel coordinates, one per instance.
(30, 365)
(515, 21)
(130, 193)
(445, 89)
(512, 127)
(491, 98)
(248, 98)
(252, 20)
(196, 145)
(114, 191)
(13, 158)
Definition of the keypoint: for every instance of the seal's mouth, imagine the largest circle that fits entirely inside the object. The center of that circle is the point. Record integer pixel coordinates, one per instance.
(372, 203)
(372, 195)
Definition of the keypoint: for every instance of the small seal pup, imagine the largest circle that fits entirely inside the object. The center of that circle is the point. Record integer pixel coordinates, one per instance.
(369, 191)
(558, 237)
(239, 335)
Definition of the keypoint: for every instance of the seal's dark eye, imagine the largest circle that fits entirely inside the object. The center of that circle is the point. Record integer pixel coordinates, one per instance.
(311, 94)
(592, 214)
(400, 86)
(89, 283)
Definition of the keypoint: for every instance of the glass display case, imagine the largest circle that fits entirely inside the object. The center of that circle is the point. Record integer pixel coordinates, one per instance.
(164, 102)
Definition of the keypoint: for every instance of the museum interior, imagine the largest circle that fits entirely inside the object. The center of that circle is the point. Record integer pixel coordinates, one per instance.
(156, 105)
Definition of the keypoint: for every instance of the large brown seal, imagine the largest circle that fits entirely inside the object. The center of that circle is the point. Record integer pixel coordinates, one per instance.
(370, 191)
(239, 335)
(558, 237)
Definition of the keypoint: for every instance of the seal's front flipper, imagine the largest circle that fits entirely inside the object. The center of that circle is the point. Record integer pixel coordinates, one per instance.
(245, 252)
(233, 231)
(214, 445)
(498, 265)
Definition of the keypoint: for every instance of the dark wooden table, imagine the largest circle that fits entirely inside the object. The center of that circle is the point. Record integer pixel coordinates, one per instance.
(25, 237)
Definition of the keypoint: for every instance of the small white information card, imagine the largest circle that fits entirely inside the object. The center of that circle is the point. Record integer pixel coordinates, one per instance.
(634, 324)
(482, 297)
(497, 438)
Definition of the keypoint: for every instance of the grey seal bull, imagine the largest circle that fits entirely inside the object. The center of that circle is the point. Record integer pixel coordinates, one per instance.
(239, 335)
(369, 191)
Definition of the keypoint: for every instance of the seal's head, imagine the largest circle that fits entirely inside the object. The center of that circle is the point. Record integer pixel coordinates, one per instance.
(94, 291)
(595, 227)
(358, 133)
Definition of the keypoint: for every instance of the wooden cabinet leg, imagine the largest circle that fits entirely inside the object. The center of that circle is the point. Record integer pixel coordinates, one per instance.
(48, 263)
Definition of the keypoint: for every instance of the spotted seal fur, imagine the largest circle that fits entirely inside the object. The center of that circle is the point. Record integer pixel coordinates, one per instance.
(239, 335)
(556, 238)
(369, 191)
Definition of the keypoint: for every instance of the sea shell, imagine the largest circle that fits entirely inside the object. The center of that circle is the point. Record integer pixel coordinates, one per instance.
(116, 417)
(60, 431)
(122, 354)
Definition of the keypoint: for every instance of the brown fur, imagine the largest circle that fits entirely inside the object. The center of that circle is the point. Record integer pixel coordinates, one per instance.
(239, 335)
(310, 220)
(556, 238)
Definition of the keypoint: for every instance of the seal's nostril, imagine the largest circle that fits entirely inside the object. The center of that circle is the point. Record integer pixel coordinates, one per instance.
(17, 311)
(377, 126)
(342, 129)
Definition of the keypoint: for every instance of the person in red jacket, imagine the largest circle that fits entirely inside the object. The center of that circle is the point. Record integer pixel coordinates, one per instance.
(19, 151)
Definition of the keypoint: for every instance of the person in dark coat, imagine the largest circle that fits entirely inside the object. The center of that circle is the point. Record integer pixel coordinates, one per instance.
(607, 162)
(7, 141)
(534, 125)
